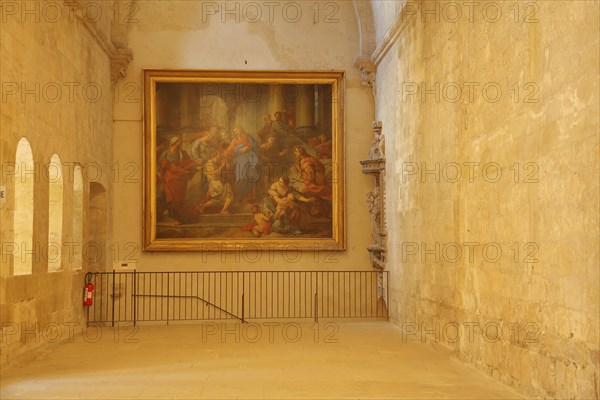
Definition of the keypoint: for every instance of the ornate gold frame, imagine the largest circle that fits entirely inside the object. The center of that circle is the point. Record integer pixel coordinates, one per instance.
(153, 76)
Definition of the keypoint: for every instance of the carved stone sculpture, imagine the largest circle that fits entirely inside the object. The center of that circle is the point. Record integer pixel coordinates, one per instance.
(367, 72)
(375, 166)
(377, 151)
(374, 200)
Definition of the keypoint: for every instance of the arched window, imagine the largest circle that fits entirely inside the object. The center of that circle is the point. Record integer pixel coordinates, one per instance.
(77, 218)
(55, 214)
(23, 213)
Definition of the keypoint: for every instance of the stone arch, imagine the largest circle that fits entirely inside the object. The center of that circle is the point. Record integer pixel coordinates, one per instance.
(23, 209)
(366, 27)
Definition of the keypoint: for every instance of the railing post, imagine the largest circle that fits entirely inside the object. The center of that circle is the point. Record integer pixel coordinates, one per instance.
(134, 297)
(387, 293)
(243, 291)
(113, 299)
(316, 307)
(168, 294)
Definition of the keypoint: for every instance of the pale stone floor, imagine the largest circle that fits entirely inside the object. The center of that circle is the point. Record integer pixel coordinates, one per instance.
(367, 360)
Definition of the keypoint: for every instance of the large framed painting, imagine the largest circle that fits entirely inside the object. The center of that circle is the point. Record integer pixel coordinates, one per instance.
(237, 160)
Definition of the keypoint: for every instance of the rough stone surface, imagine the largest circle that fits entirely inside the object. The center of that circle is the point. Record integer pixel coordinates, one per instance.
(56, 93)
(533, 310)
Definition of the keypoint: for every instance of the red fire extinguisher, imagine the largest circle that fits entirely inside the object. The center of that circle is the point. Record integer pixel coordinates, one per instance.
(88, 294)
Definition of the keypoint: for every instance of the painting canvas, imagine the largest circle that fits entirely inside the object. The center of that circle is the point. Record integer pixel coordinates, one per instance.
(239, 159)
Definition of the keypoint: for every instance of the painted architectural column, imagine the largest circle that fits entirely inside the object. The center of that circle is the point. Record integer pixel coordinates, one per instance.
(305, 106)
(276, 100)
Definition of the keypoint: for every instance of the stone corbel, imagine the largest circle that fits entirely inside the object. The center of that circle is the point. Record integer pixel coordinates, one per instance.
(119, 56)
(363, 11)
(367, 71)
(119, 60)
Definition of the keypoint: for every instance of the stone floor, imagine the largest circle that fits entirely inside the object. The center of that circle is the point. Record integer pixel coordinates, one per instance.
(276, 360)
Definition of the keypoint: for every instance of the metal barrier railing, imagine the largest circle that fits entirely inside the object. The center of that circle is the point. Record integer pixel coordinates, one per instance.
(243, 295)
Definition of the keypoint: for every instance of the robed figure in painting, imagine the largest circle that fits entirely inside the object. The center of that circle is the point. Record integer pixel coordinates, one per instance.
(316, 183)
(313, 175)
(176, 168)
(242, 153)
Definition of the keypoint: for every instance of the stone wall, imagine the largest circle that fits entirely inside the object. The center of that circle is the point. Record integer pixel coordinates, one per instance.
(203, 35)
(56, 93)
(490, 113)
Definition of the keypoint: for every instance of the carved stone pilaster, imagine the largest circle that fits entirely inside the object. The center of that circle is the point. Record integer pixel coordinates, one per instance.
(375, 166)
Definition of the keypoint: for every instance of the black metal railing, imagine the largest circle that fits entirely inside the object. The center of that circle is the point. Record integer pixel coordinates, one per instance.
(243, 295)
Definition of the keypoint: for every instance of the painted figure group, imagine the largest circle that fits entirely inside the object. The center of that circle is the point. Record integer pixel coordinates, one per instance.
(271, 175)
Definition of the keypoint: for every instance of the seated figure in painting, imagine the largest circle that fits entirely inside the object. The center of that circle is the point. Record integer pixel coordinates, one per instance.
(313, 174)
(285, 203)
(316, 184)
(219, 193)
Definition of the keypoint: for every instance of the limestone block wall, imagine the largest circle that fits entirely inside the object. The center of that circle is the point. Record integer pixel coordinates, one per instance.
(490, 113)
(241, 36)
(56, 93)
